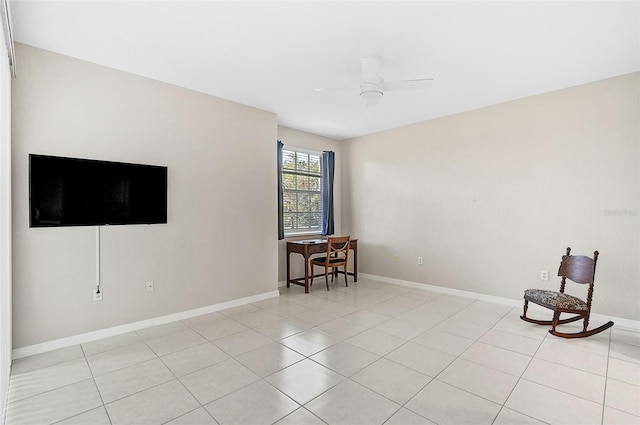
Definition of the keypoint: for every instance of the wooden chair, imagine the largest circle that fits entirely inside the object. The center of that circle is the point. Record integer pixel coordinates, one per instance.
(337, 255)
(579, 269)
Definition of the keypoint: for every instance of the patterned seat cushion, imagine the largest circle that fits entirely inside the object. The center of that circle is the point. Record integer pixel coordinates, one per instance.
(554, 299)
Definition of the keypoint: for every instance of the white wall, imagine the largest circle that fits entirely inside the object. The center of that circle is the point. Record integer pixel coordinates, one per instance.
(491, 197)
(300, 139)
(220, 241)
(5, 225)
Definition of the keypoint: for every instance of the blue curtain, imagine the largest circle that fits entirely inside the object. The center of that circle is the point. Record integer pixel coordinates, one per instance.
(328, 165)
(280, 202)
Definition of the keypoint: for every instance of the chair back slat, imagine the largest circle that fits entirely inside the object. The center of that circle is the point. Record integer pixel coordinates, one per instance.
(578, 268)
(337, 256)
(337, 247)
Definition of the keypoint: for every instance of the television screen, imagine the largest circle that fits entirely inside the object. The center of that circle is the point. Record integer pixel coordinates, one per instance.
(84, 192)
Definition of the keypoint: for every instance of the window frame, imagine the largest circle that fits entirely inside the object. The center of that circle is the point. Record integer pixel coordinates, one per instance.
(302, 231)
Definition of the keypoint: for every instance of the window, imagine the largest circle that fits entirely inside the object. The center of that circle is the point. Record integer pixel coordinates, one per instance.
(301, 191)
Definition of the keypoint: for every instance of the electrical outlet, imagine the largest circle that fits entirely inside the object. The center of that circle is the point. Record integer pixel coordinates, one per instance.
(149, 285)
(420, 262)
(97, 294)
(544, 275)
(396, 258)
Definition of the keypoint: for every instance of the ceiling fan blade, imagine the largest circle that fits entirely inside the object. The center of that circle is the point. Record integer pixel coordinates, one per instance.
(331, 89)
(420, 83)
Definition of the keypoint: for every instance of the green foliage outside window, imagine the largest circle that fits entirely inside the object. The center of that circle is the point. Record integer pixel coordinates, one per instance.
(302, 200)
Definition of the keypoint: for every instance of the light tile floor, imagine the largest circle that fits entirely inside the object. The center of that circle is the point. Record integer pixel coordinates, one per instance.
(370, 353)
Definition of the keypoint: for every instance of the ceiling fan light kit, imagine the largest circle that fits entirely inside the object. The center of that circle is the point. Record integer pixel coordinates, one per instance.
(371, 97)
(373, 86)
(371, 92)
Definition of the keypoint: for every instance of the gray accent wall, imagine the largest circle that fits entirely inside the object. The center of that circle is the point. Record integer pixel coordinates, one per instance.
(491, 197)
(220, 242)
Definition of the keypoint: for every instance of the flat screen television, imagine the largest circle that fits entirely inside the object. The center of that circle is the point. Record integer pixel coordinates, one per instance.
(86, 192)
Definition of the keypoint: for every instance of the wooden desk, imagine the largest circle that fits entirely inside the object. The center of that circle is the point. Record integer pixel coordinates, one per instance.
(315, 246)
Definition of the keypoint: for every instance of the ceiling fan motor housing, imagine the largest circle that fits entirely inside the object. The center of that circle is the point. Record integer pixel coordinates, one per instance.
(371, 91)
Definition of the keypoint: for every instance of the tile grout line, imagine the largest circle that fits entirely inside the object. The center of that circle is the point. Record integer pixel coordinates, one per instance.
(433, 378)
(520, 378)
(184, 386)
(339, 341)
(606, 379)
(93, 378)
(477, 340)
(349, 378)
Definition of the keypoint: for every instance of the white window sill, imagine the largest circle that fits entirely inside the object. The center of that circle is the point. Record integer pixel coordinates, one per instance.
(302, 234)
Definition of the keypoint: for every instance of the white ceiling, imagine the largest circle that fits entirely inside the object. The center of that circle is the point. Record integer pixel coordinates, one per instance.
(271, 55)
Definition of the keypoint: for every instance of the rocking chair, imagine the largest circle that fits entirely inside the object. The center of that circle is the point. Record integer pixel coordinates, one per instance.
(579, 269)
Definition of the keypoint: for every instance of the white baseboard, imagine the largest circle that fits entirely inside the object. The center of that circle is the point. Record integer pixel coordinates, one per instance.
(619, 321)
(130, 327)
(136, 326)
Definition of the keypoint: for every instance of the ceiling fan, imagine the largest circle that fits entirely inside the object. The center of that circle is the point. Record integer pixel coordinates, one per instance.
(373, 86)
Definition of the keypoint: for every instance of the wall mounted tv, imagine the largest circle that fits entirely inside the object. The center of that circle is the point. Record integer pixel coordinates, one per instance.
(84, 192)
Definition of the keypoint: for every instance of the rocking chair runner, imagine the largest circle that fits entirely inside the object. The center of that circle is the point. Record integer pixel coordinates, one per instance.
(579, 269)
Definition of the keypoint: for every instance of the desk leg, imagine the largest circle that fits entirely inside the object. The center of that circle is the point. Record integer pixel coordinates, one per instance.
(306, 273)
(288, 268)
(355, 265)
